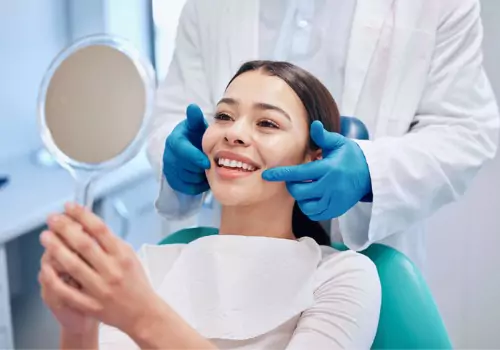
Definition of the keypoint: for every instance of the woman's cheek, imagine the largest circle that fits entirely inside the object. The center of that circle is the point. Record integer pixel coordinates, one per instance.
(284, 152)
(208, 140)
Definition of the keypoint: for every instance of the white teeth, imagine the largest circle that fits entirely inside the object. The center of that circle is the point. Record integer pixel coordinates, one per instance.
(235, 164)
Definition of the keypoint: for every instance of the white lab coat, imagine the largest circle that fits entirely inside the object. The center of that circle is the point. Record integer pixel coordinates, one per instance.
(414, 76)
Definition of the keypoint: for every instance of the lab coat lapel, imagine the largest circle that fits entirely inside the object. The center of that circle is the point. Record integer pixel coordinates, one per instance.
(242, 31)
(368, 22)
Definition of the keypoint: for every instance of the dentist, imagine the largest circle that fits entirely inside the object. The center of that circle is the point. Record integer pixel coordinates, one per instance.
(412, 71)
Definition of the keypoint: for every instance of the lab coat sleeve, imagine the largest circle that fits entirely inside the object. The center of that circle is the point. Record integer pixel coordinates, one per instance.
(454, 132)
(185, 83)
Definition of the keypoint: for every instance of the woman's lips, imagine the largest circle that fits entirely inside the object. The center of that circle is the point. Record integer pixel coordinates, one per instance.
(234, 157)
(227, 173)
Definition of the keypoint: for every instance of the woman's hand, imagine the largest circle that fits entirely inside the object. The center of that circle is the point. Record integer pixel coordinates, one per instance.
(71, 320)
(114, 286)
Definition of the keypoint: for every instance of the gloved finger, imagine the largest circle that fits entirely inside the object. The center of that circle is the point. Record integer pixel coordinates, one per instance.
(329, 212)
(326, 140)
(314, 207)
(320, 217)
(196, 189)
(187, 165)
(192, 178)
(177, 183)
(186, 152)
(195, 119)
(302, 191)
(296, 173)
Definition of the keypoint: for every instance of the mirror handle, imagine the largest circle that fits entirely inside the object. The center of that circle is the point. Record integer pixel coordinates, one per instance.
(83, 195)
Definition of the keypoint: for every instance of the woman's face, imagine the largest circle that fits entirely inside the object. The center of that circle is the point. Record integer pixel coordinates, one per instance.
(260, 123)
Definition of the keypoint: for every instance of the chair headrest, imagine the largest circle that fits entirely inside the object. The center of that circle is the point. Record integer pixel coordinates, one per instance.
(353, 128)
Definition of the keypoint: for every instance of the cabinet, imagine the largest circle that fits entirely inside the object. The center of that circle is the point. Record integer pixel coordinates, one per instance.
(6, 341)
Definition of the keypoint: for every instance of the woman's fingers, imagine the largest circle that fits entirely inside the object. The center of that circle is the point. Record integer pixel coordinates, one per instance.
(72, 264)
(56, 293)
(94, 226)
(80, 241)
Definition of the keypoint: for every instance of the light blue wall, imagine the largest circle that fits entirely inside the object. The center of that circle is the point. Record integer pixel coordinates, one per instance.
(31, 34)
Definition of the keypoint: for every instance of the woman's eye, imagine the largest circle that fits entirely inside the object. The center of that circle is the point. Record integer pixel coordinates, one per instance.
(222, 116)
(268, 124)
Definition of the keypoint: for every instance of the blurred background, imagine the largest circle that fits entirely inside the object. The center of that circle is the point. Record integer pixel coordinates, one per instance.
(463, 261)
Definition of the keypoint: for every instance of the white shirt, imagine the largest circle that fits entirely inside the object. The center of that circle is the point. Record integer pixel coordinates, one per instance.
(264, 293)
(313, 34)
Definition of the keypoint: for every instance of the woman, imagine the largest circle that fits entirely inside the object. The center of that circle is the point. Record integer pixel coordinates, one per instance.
(269, 280)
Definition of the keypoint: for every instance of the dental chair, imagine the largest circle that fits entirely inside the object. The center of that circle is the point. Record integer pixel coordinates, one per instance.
(409, 317)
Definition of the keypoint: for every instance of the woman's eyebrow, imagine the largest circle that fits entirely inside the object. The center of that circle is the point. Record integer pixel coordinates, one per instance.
(229, 101)
(267, 106)
(260, 105)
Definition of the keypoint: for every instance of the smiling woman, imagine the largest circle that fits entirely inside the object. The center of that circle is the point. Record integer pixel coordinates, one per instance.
(268, 280)
(261, 122)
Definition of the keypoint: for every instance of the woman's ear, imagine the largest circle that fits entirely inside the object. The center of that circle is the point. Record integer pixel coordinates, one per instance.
(318, 154)
(314, 155)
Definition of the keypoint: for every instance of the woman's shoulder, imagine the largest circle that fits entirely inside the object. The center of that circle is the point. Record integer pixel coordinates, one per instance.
(335, 263)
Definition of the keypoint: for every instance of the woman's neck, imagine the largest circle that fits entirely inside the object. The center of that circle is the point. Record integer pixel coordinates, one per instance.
(269, 219)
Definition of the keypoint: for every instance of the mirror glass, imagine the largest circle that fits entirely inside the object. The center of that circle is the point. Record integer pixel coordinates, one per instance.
(94, 108)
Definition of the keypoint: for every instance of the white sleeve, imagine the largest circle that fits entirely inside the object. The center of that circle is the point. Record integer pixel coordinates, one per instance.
(185, 83)
(347, 308)
(175, 205)
(454, 132)
(111, 338)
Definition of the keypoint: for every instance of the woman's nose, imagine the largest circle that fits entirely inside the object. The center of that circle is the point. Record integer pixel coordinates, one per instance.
(238, 134)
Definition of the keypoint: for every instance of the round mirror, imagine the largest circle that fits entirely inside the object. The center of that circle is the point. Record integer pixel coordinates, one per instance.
(94, 108)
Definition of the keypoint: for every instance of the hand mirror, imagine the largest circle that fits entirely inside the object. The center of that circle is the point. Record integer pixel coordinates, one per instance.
(94, 108)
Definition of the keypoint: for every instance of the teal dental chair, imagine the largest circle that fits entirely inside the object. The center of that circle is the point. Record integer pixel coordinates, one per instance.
(409, 317)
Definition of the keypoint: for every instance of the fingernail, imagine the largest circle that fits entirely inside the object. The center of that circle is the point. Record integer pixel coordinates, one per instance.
(45, 237)
(70, 206)
(53, 218)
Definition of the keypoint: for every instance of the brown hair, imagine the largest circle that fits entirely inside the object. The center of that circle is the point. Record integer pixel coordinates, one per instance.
(319, 105)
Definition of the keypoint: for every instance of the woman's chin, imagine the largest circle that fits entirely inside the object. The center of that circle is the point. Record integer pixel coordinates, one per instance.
(234, 195)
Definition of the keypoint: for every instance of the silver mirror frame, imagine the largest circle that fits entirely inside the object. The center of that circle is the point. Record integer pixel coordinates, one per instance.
(147, 73)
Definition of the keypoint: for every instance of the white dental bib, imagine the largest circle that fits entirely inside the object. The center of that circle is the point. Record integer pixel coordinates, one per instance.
(241, 292)
(237, 288)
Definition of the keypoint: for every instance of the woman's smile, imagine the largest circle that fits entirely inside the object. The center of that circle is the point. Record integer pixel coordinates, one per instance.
(230, 165)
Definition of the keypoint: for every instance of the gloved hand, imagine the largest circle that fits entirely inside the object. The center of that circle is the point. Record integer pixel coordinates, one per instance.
(325, 189)
(184, 162)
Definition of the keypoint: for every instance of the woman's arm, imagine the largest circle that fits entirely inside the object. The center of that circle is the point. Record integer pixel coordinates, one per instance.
(116, 289)
(347, 308)
(162, 328)
(88, 341)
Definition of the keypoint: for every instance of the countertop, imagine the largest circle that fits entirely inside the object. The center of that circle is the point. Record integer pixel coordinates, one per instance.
(34, 191)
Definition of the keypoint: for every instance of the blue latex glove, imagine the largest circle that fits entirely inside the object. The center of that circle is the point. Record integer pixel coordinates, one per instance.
(327, 188)
(184, 162)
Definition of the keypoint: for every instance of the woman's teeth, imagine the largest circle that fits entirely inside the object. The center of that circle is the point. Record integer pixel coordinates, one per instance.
(235, 164)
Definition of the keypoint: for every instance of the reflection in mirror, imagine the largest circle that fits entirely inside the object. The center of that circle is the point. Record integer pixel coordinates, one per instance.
(94, 108)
